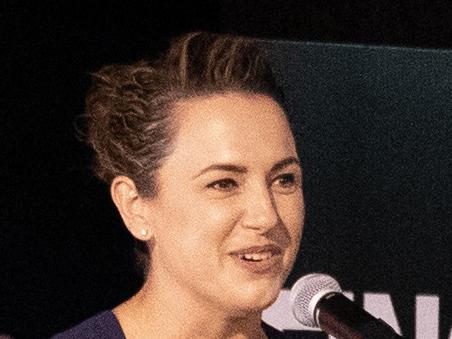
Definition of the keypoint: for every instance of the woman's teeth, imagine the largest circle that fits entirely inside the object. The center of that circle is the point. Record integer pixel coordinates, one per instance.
(256, 256)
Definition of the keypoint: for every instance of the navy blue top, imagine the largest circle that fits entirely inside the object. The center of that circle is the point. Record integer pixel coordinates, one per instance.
(105, 325)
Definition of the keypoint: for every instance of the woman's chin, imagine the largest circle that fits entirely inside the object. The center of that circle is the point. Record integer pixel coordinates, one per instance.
(254, 297)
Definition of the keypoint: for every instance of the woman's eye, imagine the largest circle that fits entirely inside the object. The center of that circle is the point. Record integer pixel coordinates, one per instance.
(223, 185)
(286, 182)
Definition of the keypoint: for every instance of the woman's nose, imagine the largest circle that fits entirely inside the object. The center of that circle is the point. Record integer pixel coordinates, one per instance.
(260, 210)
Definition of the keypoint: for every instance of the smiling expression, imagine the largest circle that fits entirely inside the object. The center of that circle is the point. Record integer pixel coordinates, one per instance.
(228, 216)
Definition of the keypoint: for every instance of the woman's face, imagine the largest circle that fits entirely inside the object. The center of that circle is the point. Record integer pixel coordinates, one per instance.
(228, 217)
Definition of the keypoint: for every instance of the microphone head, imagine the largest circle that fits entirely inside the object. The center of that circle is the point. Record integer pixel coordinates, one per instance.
(306, 293)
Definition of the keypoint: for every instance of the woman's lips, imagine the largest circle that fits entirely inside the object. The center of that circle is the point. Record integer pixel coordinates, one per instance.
(274, 249)
(259, 259)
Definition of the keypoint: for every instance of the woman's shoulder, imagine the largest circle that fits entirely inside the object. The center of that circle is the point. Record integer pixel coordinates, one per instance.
(103, 325)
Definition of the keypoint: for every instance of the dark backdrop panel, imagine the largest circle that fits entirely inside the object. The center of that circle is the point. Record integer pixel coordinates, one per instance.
(374, 127)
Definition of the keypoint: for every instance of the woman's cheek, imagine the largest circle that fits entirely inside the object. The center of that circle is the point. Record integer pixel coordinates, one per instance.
(222, 211)
(291, 208)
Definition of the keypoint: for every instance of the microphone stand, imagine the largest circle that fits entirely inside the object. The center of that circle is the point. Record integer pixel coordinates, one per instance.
(361, 326)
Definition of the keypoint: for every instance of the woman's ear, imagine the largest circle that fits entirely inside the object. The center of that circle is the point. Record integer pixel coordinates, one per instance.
(131, 206)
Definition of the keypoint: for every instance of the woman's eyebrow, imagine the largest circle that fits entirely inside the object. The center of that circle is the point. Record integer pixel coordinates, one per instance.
(242, 169)
(284, 163)
(223, 167)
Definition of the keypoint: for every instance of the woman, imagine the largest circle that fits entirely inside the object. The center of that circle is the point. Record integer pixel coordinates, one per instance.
(203, 168)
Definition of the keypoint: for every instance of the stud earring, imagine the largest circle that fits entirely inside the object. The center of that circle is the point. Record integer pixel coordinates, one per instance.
(144, 232)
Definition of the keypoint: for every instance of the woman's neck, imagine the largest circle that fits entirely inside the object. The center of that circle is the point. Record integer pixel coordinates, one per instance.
(158, 311)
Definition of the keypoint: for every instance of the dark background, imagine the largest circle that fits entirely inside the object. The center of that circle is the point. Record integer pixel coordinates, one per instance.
(64, 253)
(374, 128)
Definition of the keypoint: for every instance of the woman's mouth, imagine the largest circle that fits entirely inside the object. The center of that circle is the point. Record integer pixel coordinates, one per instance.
(256, 256)
(259, 259)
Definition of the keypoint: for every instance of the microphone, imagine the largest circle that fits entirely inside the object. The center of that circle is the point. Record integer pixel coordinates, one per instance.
(317, 301)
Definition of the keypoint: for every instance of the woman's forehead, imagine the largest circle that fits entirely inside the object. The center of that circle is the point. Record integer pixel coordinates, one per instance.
(233, 128)
(231, 113)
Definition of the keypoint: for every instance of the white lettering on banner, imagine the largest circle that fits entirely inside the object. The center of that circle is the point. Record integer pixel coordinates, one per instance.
(426, 319)
(380, 306)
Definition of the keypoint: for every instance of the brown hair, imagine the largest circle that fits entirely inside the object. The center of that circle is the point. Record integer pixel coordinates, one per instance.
(131, 124)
